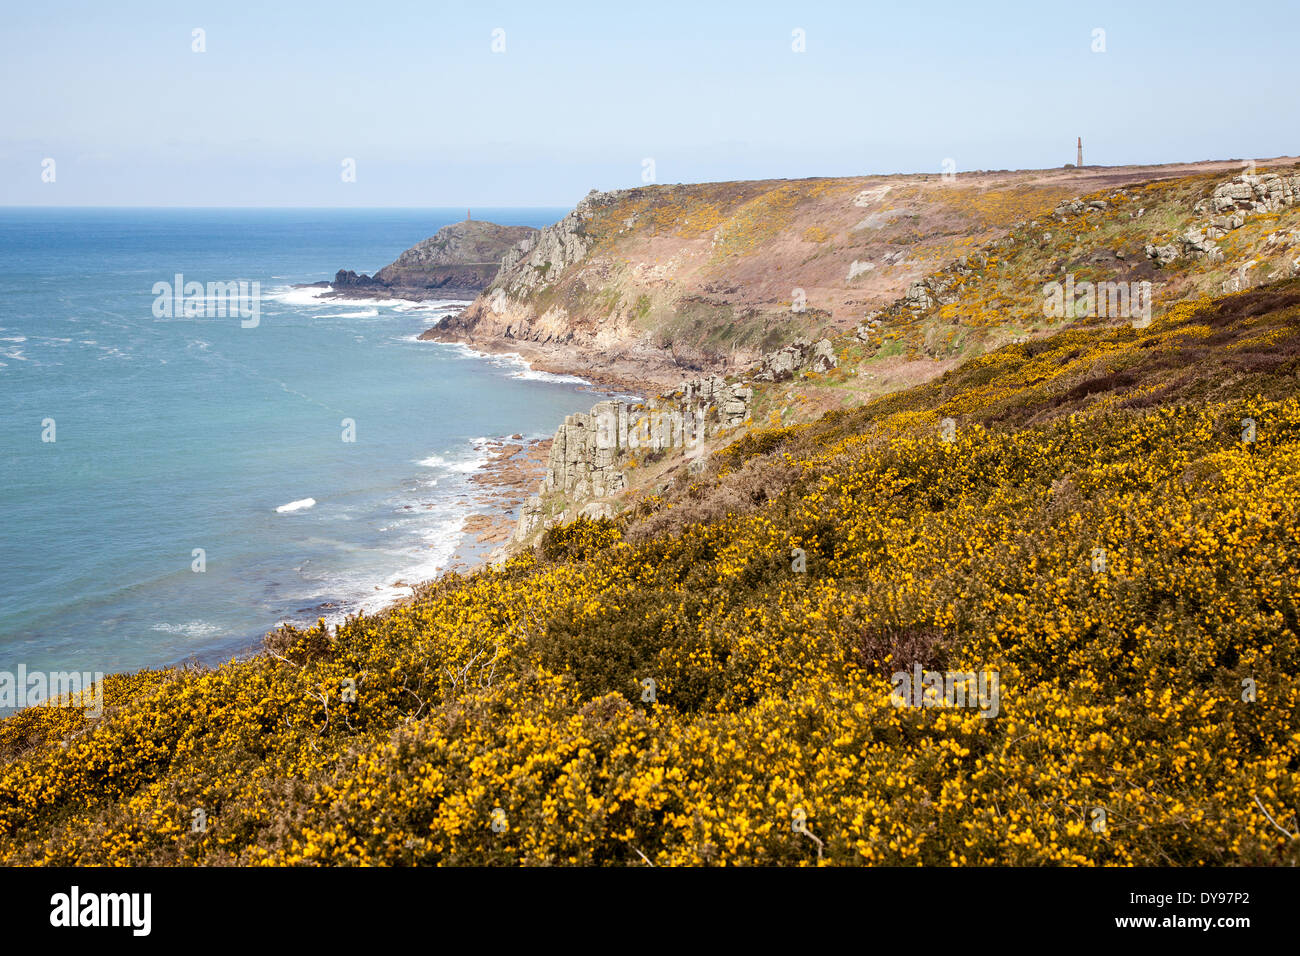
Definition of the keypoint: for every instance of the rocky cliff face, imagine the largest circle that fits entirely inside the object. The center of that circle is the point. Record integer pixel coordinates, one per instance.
(538, 302)
(590, 452)
(460, 259)
(526, 266)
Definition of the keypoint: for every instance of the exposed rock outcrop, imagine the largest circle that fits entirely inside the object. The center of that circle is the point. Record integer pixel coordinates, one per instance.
(1192, 244)
(1230, 204)
(1073, 207)
(942, 288)
(868, 328)
(526, 266)
(800, 356)
(1163, 255)
(1252, 194)
(591, 450)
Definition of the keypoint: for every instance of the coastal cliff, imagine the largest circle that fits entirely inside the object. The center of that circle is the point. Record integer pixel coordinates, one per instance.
(1146, 246)
(458, 260)
(653, 285)
(591, 453)
(1096, 507)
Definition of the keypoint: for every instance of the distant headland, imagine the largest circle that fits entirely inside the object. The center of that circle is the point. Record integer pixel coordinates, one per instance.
(459, 260)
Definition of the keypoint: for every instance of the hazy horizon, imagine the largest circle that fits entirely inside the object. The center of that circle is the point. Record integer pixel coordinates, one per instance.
(562, 206)
(211, 106)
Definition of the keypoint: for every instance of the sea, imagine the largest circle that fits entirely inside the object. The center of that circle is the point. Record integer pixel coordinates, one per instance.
(174, 485)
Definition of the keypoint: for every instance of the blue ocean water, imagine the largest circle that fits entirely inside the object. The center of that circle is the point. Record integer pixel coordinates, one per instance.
(173, 434)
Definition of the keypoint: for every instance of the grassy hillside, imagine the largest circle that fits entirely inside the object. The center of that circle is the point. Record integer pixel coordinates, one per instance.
(993, 294)
(655, 284)
(500, 718)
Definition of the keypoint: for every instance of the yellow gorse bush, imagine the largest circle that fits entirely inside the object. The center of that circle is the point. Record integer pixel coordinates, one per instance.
(681, 692)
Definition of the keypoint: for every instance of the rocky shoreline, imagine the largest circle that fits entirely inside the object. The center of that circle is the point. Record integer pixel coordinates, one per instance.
(618, 374)
(370, 292)
(516, 468)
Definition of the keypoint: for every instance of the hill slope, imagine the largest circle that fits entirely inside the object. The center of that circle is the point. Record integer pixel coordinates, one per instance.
(652, 285)
(1147, 706)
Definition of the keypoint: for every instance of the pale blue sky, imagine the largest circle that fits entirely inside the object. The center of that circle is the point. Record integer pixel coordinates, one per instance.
(585, 91)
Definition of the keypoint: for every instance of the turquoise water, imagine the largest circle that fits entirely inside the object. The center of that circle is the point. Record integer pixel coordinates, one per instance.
(175, 434)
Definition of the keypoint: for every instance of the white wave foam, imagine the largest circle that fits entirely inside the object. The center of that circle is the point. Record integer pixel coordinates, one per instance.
(438, 529)
(533, 375)
(461, 350)
(441, 544)
(516, 364)
(464, 464)
(297, 505)
(189, 629)
(437, 305)
(365, 314)
(292, 296)
(479, 455)
(432, 553)
(470, 466)
(325, 297)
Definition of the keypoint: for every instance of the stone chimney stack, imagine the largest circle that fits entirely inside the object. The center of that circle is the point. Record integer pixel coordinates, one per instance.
(1080, 159)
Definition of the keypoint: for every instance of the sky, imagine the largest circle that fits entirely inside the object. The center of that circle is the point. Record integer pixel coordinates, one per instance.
(536, 103)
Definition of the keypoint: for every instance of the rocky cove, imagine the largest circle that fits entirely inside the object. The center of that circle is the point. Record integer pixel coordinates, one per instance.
(584, 470)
